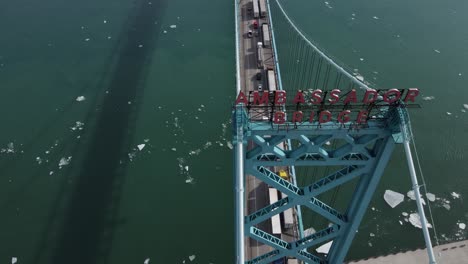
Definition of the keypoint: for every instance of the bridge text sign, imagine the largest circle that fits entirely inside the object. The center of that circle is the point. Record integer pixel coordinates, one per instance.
(324, 105)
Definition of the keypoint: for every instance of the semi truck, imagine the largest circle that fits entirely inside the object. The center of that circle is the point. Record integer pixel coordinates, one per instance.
(263, 10)
(259, 55)
(266, 36)
(271, 80)
(256, 11)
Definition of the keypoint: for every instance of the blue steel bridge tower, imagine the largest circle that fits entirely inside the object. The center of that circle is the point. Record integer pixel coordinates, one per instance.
(362, 155)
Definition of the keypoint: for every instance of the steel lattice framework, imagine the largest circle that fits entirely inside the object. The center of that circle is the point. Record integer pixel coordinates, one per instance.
(363, 156)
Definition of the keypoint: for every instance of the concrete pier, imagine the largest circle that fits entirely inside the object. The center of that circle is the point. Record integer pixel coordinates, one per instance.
(453, 253)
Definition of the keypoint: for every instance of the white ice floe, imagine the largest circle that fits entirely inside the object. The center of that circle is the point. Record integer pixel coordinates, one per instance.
(455, 195)
(39, 160)
(361, 59)
(448, 113)
(328, 143)
(324, 248)
(460, 74)
(465, 106)
(461, 225)
(192, 257)
(173, 26)
(146, 261)
(372, 235)
(105, 21)
(309, 231)
(87, 39)
(401, 223)
(404, 214)
(393, 198)
(428, 98)
(437, 51)
(431, 197)
(173, 149)
(375, 17)
(165, 32)
(141, 146)
(80, 98)
(415, 220)
(14, 260)
(189, 180)
(51, 172)
(229, 145)
(78, 126)
(446, 206)
(64, 161)
(412, 196)
(140, 46)
(186, 168)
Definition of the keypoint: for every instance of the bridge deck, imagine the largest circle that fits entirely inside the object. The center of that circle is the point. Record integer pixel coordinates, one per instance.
(453, 253)
(256, 191)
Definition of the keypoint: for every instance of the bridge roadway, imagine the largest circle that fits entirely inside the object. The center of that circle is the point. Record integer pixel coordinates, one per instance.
(256, 191)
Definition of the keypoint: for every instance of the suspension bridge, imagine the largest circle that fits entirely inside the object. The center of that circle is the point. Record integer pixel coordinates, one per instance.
(320, 158)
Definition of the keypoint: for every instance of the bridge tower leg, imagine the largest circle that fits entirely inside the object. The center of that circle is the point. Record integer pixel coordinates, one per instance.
(362, 155)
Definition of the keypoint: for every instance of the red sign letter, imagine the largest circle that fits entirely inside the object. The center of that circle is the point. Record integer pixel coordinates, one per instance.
(343, 117)
(362, 117)
(280, 97)
(241, 98)
(325, 116)
(391, 96)
(411, 94)
(279, 118)
(297, 116)
(335, 96)
(351, 97)
(311, 117)
(258, 101)
(373, 93)
(316, 97)
(299, 98)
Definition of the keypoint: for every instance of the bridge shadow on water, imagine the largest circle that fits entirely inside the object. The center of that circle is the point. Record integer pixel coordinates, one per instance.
(91, 213)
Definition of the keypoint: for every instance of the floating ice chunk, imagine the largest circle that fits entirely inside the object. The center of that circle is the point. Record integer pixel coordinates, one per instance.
(186, 168)
(404, 214)
(375, 17)
(173, 26)
(372, 234)
(448, 113)
(461, 226)
(361, 59)
(431, 197)
(173, 149)
(14, 260)
(108, 37)
(411, 195)
(455, 195)
(39, 160)
(324, 248)
(140, 46)
(146, 140)
(192, 257)
(353, 14)
(80, 98)
(165, 32)
(401, 223)
(64, 161)
(229, 145)
(87, 39)
(309, 231)
(189, 180)
(415, 220)
(437, 51)
(465, 106)
(141, 146)
(105, 21)
(393, 198)
(463, 111)
(146, 261)
(460, 74)
(428, 98)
